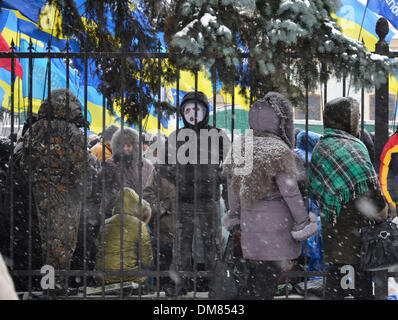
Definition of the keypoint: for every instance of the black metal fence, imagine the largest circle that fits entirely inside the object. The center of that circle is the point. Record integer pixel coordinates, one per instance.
(9, 199)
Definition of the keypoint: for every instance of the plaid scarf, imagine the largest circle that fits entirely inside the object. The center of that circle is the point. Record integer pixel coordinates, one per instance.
(340, 171)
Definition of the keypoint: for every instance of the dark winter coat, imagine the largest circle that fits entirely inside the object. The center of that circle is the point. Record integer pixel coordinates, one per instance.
(89, 225)
(366, 138)
(5, 145)
(266, 202)
(341, 238)
(342, 242)
(62, 204)
(208, 175)
(167, 202)
(20, 213)
(120, 169)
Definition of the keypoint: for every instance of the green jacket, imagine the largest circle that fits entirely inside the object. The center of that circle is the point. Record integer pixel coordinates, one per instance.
(131, 235)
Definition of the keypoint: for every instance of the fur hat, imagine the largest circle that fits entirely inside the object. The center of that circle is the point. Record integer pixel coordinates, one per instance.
(119, 138)
(342, 114)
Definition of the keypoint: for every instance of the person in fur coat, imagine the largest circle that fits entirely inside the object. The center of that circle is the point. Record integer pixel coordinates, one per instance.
(267, 215)
(122, 170)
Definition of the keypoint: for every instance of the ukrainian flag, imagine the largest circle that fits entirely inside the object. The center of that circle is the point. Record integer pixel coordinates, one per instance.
(19, 22)
(350, 16)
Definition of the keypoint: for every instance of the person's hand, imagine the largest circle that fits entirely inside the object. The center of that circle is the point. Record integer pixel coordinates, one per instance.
(383, 214)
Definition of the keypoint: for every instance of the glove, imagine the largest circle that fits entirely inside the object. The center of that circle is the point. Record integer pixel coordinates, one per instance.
(310, 228)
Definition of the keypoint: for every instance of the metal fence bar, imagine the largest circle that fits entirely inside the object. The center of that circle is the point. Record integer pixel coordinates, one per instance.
(30, 93)
(325, 97)
(48, 113)
(158, 177)
(84, 207)
(216, 217)
(140, 164)
(122, 90)
(362, 111)
(102, 207)
(67, 167)
(11, 163)
(118, 273)
(177, 215)
(306, 184)
(344, 85)
(195, 201)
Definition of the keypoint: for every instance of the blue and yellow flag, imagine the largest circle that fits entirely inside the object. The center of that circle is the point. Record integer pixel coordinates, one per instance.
(386, 8)
(350, 16)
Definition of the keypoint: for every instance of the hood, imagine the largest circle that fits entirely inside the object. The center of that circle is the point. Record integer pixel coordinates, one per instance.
(200, 97)
(59, 108)
(342, 114)
(273, 114)
(109, 132)
(131, 205)
(313, 139)
(117, 143)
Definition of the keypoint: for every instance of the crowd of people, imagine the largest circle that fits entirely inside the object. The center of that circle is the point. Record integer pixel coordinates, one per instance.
(101, 203)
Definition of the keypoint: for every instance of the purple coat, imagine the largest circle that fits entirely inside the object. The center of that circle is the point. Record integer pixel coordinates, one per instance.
(267, 203)
(267, 224)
